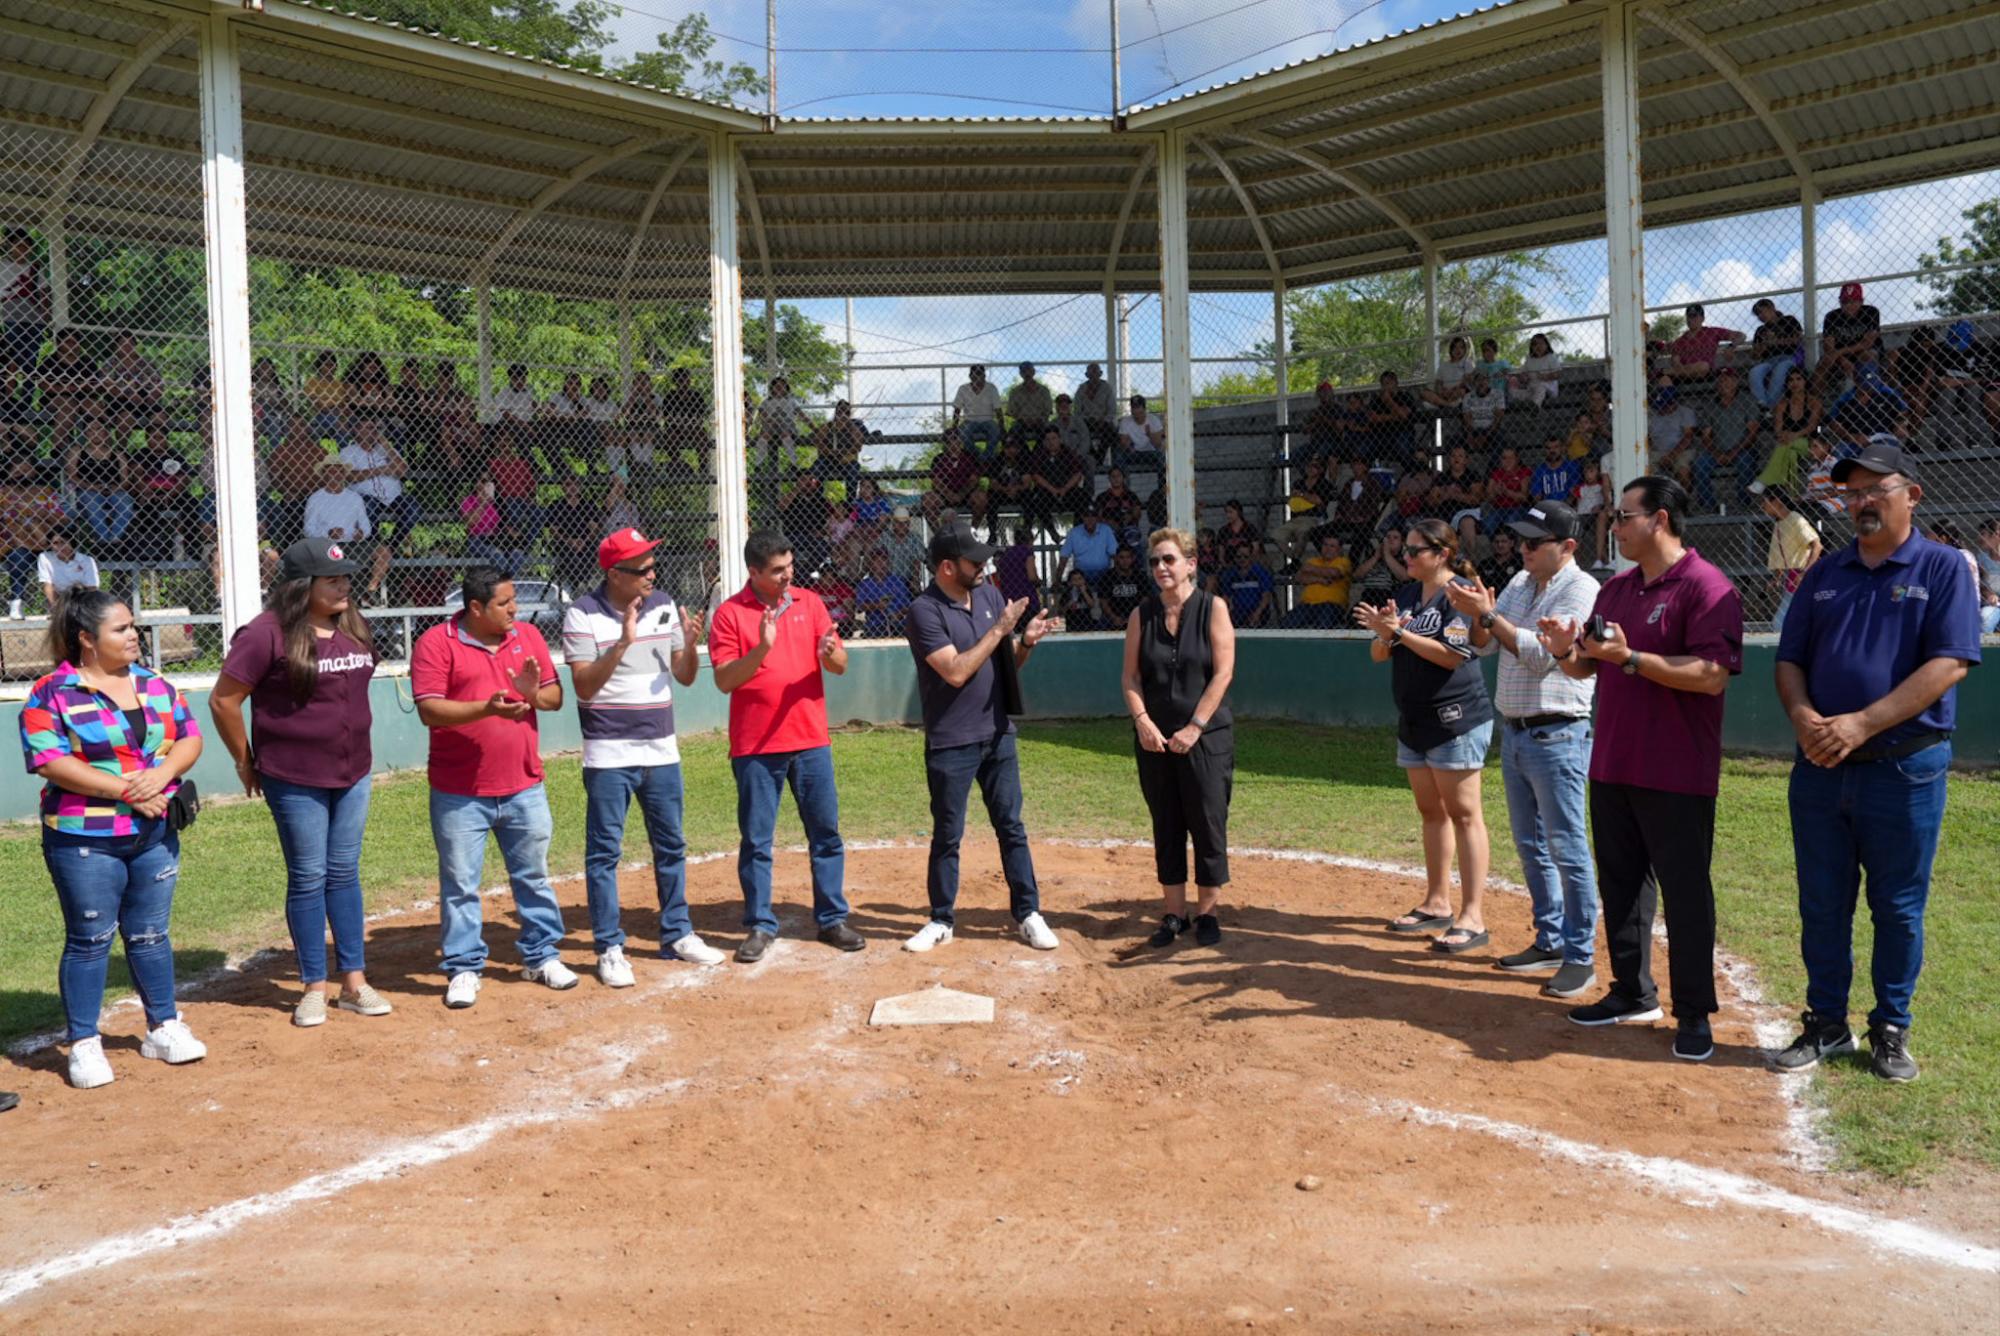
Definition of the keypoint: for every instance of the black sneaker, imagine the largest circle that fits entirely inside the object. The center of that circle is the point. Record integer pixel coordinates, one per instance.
(1614, 1010)
(1534, 960)
(1819, 1037)
(1570, 980)
(1694, 1041)
(1207, 930)
(1889, 1047)
(1171, 926)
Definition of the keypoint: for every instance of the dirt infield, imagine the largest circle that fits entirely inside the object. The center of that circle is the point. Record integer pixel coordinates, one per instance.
(734, 1149)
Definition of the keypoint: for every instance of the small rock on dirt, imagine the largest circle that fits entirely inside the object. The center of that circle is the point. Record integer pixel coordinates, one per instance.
(1310, 1183)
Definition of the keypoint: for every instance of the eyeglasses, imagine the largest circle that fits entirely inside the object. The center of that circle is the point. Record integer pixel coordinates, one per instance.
(1418, 549)
(641, 571)
(1881, 491)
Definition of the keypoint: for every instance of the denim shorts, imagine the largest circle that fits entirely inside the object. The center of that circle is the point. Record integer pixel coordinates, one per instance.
(1467, 751)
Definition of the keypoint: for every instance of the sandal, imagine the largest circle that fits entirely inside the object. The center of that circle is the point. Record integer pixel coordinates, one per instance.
(1473, 940)
(1421, 920)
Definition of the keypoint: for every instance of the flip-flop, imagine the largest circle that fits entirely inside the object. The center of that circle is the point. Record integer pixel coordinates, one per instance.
(1472, 942)
(1425, 922)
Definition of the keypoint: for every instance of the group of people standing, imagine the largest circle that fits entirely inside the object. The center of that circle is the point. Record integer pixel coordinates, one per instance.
(1869, 654)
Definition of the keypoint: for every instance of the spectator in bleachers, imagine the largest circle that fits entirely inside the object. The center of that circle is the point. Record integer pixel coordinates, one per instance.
(513, 475)
(837, 444)
(1389, 416)
(1480, 414)
(1776, 346)
(1582, 442)
(803, 520)
(836, 591)
(602, 414)
(1697, 354)
(1850, 335)
(684, 424)
(631, 434)
(562, 431)
(1594, 505)
(1059, 483)
(482, 528)
(69, 386)
(1382, 571)
(369, 395)
(1926, 364)
(1007, 485)
(19, 422)
(1795, 420)
(1597, 403)
(100, 477)
(24, 303)
(882, 597)
(571, 526)
(326, 400)
(619, 512)
(1141, 439)
(1324, 581)
(1306, 510)
(164, 505)
(1078, 606)
(1075, 432)
(1558, 476)
(1539, 379)
(1121, 588)
(270, 405)
(1496, 367)
(781, 426)
(1458, 494)
(455, 419)
(954, 482)
(1121, 508)
(1248, 586)
(1015, 574)
(1089, 545)
(1507, 490)
(515, 403)
(1096, 404)
(29, 510)
(1207, 555)
(976, 410)
(1986, 555)
(1156, 507)
(1503, 563)
(377, 471)
(1413, 493)
(291, 475)
(63, 568)
(131, 388)
(335, 510)
(871, 509)
(1729, 429)
(1359, 500)
(908, 553)
(1325, 426)
(1820, 489)
(1795, 546)
(1670, 431)
(1449, 386)
(1871, 407)
(1237, 533)
(408, 423)
(1029, 407)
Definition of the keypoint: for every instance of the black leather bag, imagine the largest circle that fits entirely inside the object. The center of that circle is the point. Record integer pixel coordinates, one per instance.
(184, 806)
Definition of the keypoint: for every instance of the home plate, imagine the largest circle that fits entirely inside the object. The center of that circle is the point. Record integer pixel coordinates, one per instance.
(933, 1006)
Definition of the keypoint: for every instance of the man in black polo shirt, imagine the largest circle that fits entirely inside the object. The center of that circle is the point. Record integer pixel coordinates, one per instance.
(961, 632)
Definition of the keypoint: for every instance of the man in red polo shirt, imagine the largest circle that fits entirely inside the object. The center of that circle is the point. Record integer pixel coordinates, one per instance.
(478, 680)
(769, 645)
(1672, 638)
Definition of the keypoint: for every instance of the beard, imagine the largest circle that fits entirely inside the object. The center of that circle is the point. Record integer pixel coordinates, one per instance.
(1868, 522)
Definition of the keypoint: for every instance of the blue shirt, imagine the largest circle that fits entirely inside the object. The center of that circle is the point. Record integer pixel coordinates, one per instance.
(1556, 482)
(1093, 551)
(883, 621)
(1246, 589)
(977, 711)
(1858, 633)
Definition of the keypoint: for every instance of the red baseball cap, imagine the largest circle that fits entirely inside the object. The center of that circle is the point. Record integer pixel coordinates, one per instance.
(1850, 292)
(623, 546)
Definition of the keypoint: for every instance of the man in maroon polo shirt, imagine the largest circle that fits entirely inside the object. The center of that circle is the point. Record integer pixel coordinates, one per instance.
(1670, 638)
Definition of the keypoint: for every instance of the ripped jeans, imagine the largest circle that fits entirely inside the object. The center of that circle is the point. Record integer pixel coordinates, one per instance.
(112, 886)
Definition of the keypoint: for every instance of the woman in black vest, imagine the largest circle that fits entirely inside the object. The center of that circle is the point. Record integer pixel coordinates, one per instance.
(1444, 724)
(1180, 652)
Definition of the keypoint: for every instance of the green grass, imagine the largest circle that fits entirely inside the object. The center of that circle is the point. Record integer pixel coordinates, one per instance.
(1297, 787)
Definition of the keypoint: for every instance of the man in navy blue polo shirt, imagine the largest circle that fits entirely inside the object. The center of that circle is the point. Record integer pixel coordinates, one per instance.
(1878, 637)
(961, 632)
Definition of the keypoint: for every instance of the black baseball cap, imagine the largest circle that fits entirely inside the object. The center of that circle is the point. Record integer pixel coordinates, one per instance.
(1882, 454)
(312, 557)
(957, 543)
(1548, 519)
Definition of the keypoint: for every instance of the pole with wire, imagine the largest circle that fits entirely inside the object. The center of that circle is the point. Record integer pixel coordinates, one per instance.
(770, 65)
(1117, 72)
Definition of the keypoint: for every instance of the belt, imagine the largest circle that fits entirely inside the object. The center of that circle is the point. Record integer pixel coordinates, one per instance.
(1543, 720)
(1894, 751)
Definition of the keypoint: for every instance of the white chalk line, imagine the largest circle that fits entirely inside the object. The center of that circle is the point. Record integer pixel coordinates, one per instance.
(1696, 1185)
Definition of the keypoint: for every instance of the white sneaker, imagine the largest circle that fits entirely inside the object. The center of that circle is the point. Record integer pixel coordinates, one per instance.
(613, 970)
(553, 973)
(930, 935)
(14, 610)
(1038, 934)
(463, 990)
(695, 951)
(310, 1011)
(173, 1043)
(88, 1067)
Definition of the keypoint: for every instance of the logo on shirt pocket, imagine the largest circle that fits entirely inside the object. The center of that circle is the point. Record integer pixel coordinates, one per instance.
(1450, 714)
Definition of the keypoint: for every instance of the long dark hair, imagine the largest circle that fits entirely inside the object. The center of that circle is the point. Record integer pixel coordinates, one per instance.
(291, 602)
(1438, 534)
(81, 611)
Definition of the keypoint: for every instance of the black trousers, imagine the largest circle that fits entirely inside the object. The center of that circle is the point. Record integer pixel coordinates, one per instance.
(1189, 797)
(1653, 850)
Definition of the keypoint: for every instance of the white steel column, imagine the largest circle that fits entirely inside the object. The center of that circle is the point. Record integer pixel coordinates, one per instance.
(1430, 272)
(1281, 352)
(1809, 272)
(1625, 335)
(482, 300)
(725, 325)
(1178, 384)
(1111, 337)
(57, 236)
(624, 349)
(227, 240)
(849, 357)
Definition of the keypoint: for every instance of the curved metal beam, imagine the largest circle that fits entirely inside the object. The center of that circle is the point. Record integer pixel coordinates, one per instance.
(1249, 206)
(103, 105)
(1344, 178)
(1732, 73)
(1146, 160)
(646, 217)
(555, 190)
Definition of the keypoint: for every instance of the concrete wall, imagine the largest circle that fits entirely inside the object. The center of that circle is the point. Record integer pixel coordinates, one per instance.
(1308, 677)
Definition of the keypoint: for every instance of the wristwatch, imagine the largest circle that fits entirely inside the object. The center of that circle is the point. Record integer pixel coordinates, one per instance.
(1486, 621)
(1632, 665)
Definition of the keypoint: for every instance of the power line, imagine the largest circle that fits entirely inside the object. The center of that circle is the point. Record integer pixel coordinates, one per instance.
(929, 92)
(966, 339)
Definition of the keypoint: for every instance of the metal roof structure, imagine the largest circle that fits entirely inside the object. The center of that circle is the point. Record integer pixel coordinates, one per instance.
(1465, 137)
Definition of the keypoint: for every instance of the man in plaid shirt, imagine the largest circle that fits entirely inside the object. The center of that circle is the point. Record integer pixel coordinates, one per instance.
(1544, 741)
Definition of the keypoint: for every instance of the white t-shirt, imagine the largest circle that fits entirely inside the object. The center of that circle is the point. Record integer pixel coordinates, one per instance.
(1481, 409)
(980, 405)
(1454, 373)
(513, 403)
(562, 406)
(343, 510)
(631, 721)
(20, 293)
(358, 457)
(79, 572)
(601, 410)
(1094, 404)
(1544, 366)
(1137, 435)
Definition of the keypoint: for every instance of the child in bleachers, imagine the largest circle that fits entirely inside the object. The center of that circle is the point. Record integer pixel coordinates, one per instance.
(1594, 503)
(326, 399)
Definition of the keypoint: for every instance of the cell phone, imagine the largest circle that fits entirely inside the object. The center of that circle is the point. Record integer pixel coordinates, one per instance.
(1596, 628)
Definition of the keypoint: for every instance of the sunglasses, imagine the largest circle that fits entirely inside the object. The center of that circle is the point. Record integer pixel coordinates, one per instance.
(1531, 544)
(1620, 516)
(647, 569)
(1418, 549)
(1166, 559)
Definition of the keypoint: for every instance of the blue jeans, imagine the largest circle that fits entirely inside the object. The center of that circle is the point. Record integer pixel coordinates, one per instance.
(320, 832)
(760, 784)
(1767, 379)
(1546, 771)
(982, 429)
(609, 791)
(20, 572)
(522, 824)
(110, 887)
(1989, 619)
(1875, 817)
(996, 765)
(109, 514)
(403, 512)
(1784, 606)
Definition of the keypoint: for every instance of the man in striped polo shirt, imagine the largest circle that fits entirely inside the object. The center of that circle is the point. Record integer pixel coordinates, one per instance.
(622, 641)
(1544, 741)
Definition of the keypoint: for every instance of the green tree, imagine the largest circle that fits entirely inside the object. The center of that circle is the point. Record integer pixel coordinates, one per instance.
(1967, 291)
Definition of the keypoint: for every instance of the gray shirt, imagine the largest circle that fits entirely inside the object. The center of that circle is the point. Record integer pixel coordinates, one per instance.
(1728, 422)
